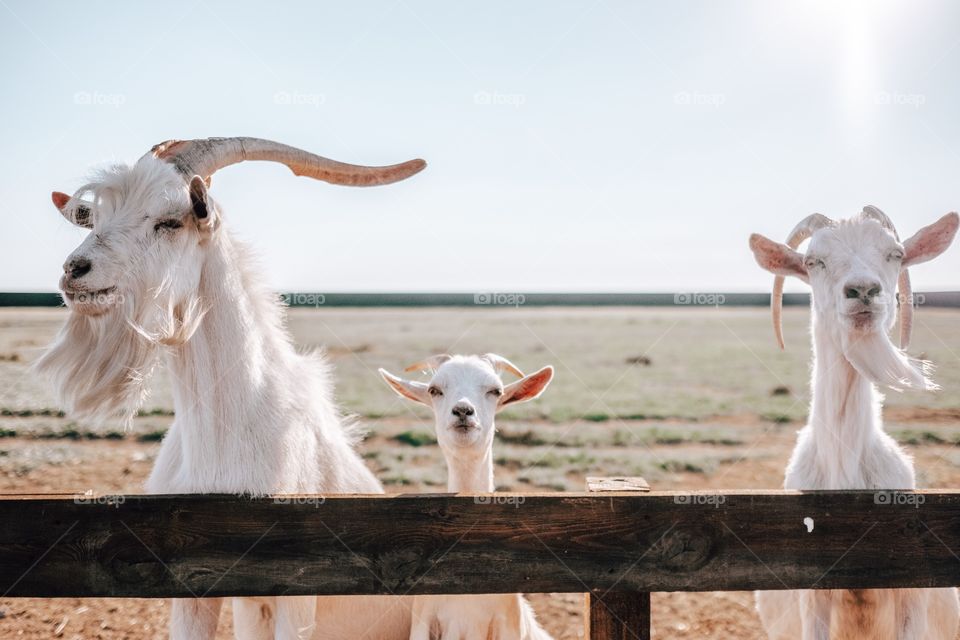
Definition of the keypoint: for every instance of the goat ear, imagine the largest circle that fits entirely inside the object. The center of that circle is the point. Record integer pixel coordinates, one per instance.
(416, 391)
(74, 210)
(200, 202)
(777, 258)
(931, 241)
(526, 388)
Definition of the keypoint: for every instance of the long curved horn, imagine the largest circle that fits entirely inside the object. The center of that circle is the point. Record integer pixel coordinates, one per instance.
(205, 156)
(431, 363)
(904, 290)
(801, 232)
(501, 364)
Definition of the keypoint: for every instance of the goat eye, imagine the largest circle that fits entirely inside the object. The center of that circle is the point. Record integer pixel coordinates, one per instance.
(496, 392)
(168, 224)
(814, 262)
(435, 392)
(896, 255)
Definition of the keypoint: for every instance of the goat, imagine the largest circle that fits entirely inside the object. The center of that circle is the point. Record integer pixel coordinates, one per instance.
(465, 393)
(853, 267)
(159, 273)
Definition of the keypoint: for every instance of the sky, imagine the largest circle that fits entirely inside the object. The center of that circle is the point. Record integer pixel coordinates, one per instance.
(571, 146)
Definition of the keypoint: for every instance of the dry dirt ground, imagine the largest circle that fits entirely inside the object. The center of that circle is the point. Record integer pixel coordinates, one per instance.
(708, 437)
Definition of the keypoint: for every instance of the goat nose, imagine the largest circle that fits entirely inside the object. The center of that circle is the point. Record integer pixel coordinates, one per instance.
(462, 410)
(78, 267)
(865, 291)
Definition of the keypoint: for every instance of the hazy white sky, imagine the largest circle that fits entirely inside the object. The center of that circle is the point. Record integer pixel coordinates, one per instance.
(587, 146)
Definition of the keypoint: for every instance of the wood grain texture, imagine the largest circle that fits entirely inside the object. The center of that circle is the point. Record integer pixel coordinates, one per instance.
(617, 615)
(194, 545)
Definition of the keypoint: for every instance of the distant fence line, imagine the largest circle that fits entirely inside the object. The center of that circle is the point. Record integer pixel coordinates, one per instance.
(493, 299)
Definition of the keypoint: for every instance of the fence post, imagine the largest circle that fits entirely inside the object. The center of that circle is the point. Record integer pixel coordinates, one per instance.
(617, 615)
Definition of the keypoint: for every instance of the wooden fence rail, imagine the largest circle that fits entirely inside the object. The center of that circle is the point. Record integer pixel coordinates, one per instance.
(616, 544)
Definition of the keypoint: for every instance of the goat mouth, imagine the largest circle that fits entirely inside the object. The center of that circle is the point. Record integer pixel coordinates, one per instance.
(463, 427)
(862, 319)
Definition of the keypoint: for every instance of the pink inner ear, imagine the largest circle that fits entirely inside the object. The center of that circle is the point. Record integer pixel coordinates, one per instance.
(931, 241)
(532, 385)
(776, 257)
(60, 199)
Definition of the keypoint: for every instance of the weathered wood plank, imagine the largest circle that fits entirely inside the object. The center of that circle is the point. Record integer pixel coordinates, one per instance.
(618, 616)
(629, 483)
(182, 546)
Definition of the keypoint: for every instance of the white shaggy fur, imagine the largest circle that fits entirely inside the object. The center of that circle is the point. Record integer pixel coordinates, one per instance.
(252, 415)
(853, 267)
(465, 393)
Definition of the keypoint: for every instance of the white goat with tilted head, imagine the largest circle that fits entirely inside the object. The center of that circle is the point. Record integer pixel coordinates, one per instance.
(465, 393)
(854, 267)
(159, 273)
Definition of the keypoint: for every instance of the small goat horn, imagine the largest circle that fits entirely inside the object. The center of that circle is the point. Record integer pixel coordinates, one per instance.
(801, 232)
(904, 290)
(501, 364)
(205, 156)
(432, 363)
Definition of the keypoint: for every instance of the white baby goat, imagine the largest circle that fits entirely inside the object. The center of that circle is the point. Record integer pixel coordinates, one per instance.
(853, 267)
(159, 273)
(465, 394)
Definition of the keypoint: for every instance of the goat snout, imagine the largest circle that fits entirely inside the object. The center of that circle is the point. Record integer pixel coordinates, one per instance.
(77, 267)
(462, 410)
(863, 291)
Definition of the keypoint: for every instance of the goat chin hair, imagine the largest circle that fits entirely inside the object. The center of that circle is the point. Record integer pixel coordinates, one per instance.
(875, 357)
(100, 366)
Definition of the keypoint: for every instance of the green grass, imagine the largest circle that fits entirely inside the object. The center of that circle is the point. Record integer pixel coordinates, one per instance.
(528, 438)
(30, 413)
(416, 438)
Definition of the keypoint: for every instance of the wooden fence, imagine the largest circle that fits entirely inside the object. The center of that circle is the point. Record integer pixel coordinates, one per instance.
(616, 546)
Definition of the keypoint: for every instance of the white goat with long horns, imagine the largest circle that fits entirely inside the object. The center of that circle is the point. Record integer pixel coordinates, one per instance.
(853, 267)
(465, 393)
(160, 274)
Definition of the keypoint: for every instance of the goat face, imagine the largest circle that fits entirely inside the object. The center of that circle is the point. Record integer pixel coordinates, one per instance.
(853, 269)
(148, 229)
(853, 265)
(465, 394)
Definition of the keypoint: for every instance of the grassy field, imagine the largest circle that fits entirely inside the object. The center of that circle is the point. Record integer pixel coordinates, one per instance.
(612, 363)
(688, 398)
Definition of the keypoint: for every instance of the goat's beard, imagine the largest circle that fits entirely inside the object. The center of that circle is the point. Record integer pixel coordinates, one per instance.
(875, 357)
(100, 365)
